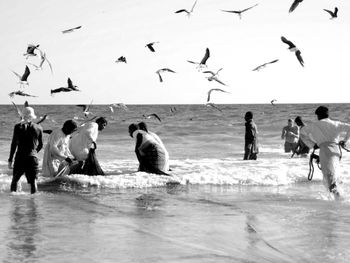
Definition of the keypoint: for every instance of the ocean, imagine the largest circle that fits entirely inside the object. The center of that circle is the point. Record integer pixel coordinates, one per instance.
(224, 209)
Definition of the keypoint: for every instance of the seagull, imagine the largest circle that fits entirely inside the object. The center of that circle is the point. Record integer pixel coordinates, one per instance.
(294, 5)
(163, 70)
(42, 119)
(20, 93)
(70, 30)
(214, 76)
(62, 89)
(121, 59)
(24, 77)
(187, 12)
(70, 87)
(152, 115)
(18, 111)
(210, 91)
(293, 48)
(333, 14)
(210, 104)
(30, 50)
(203, 61)
(118, 106)
(43, 59)
(272, 102)
(264, 65)
(239, 12)
(86, 108)
(150, 46)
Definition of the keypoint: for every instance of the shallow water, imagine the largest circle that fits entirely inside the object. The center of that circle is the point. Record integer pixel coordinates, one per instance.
(224, 209)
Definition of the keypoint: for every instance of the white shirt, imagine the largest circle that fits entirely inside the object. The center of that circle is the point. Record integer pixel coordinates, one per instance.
(327, 130)
(82, 140)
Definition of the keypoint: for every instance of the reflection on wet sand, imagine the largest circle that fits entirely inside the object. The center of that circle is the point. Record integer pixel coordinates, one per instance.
(23, 231)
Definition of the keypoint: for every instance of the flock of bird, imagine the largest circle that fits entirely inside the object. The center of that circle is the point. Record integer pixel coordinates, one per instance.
(201, 64)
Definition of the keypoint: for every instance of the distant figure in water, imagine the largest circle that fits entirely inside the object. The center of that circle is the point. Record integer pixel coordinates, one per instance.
(301, 148)
(56, 153)
(150, 150)
(326, 134)
(251, 148)
(290, 134)
(26, 143)
(83, 145)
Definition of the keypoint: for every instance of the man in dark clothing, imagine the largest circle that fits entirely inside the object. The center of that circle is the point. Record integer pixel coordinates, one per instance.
(26, 143)
(251, 148)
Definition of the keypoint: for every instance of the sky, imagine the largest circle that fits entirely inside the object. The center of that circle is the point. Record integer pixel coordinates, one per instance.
(111, 29)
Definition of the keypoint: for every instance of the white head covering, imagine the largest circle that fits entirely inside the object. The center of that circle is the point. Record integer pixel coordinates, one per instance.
(28, 114)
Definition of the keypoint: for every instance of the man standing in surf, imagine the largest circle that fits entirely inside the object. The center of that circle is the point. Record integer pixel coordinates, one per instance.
(26, 143)
(326, 133)
(251, 148)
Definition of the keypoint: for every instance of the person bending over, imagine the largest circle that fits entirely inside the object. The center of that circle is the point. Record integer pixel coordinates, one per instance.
(56, 153)
(150, 150)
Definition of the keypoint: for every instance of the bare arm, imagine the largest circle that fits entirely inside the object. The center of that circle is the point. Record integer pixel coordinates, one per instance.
(283, 133)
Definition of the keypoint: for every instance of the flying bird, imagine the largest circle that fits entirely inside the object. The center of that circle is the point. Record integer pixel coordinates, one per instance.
(293, 48)
(214, 76)
(43, 59)
(163, 70)
(30, 50)
(118, 106)
(210, 91)
(24, 77)
(264, 65)
(187, 12)
(152, 115)
(121, 59)
(272, 102)
(71, 30)
(20, 93)
(70, 87)
(239, 12)
(42, 119)
(18, 111)
(86, 109)
(203, 61)
(62, 89)
(294, 5)
(150, 46)
(333, 14)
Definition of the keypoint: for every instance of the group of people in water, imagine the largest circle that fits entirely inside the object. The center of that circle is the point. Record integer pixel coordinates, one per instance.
(325, 134)
(70, 146)
(71, 149)
(74, 146)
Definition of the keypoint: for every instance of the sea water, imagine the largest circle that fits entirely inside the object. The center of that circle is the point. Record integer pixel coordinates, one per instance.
(224, 209)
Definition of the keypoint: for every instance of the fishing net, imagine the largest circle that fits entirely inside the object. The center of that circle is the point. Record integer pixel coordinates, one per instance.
(92, 166)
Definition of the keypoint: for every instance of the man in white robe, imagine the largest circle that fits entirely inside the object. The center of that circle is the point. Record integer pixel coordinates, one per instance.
(85, 138)
(327, 134)
(56, 153)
